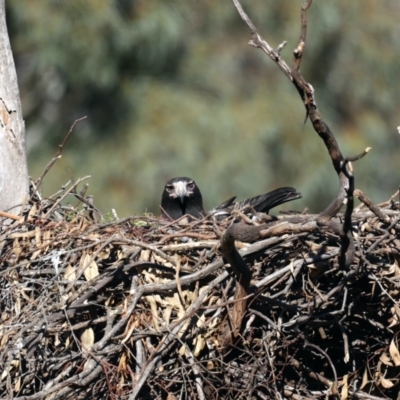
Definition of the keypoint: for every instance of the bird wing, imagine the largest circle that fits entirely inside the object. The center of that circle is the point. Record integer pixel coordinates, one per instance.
(226, 203)
(265, 202)
(224, 209)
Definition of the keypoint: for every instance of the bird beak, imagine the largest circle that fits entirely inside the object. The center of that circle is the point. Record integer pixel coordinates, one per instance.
(180, 190)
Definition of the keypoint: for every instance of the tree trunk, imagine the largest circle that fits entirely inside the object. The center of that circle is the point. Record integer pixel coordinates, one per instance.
(14, 185)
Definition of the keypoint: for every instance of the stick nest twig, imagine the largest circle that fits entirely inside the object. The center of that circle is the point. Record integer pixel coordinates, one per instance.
(145, 308)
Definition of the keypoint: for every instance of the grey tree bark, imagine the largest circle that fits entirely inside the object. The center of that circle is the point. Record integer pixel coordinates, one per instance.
(14, 183)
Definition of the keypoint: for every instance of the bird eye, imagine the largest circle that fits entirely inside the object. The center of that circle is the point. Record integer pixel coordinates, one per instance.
(169, 188)
(190, 186)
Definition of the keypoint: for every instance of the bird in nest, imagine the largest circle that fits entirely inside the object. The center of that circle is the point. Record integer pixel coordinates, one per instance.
(181, 196)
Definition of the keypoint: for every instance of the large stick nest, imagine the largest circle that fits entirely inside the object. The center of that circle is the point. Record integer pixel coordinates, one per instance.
(150, 309)
(145, 308)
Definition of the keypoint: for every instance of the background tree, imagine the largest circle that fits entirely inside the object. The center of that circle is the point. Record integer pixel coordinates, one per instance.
(13, 160)
(170, 90)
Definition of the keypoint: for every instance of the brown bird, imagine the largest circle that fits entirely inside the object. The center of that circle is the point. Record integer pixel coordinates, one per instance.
(181, 196)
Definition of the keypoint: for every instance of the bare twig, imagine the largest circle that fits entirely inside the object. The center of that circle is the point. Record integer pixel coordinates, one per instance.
(368, 202)
(53, 207)
(58, 154)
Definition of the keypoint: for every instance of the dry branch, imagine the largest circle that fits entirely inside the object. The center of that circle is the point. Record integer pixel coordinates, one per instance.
(306, 91)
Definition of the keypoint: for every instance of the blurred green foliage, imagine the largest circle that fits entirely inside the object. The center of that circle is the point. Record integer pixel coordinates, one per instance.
(171, 88)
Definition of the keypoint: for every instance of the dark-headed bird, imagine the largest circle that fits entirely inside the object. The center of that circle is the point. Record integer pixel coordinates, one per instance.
(181, 196)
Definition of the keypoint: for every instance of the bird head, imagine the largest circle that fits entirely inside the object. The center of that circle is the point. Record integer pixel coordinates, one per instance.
(180, 188)
(182, 196)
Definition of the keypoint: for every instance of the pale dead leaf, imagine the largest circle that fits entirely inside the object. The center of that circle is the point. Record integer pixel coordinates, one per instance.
(124, 251)
(73, 228)
(153, 308)
(366, 227)
(373, 286)
(38, 236)
(178, 305)
(109, 301)
(70, 273)
(132, 325)
(182, 350)
(25, 296)
(84, 224)
(91, 271)
(364, 379)
(122, 366)
(184, 328)
(17, 304)
(94, 236)
(105, 253)
(167, 314)
(144, 255)
(183, 221)
(395, 320)
(17, 384)
(393, 269)
(46, 239)
(178, 282)
(32, 212)
(4, 373)
(199, 343)
(385, 359)
(346, 356)
(213, 299)
(15, 362)
(89, 266)
(162, 302)
(210, 365)
(22, 235)
(386, 383)
(87, 338)
(36, 254)
(214, 323)
(397, 310)
(344, 395)
(190, 296)
(394, 353)
(4, 339)
(292, 267)
(121, 381)
(17, 249)
(200, 322)
(160, 260)
(151, 277)
(313, 246)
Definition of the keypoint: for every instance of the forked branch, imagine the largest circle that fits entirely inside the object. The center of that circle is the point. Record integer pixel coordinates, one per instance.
(306, 91)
